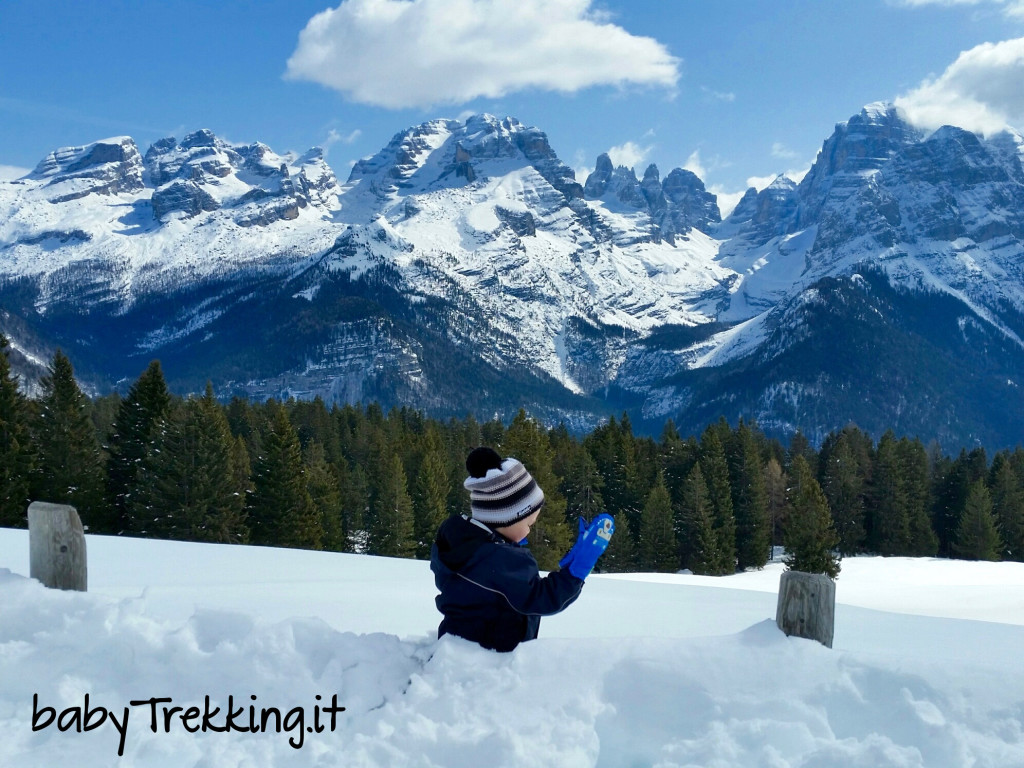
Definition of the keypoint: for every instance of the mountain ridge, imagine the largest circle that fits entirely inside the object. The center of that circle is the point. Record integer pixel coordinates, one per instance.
(466, 253)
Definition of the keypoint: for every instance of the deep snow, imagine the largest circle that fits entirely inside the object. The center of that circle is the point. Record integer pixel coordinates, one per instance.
(644, 670)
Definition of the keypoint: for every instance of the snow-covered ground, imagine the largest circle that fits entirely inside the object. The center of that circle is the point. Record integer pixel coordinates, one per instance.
(644, 670)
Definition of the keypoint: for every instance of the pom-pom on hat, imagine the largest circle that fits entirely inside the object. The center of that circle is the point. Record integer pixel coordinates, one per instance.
(500, 492)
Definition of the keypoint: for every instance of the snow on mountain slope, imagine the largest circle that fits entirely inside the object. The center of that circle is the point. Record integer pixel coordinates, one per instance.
(469, 242)
(134, 226)
(644, 669)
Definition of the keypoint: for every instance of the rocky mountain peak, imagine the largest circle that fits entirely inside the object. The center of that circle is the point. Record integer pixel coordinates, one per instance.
(104, 167)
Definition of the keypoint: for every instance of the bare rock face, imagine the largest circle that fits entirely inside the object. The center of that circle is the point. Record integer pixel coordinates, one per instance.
(676, 206)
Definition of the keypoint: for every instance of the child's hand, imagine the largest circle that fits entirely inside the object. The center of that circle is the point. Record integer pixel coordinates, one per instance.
(590, 545)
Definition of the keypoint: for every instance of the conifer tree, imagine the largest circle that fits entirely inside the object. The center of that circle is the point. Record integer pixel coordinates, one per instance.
(186, 488)
(844, 490)
(550, 537)
(889, 529)
(951, 495)
(1008, 507)
(140, 418)
(582, 484)
(280, 510)
(775, 490)
(677, 459)
(913, 461)
(432, 488)
(716, 474)
(695, 530)
(808, 533)
(977, 537)
(16, 455)
(391, 533)
(69, 468)
(326, 495)
(658, 548)
(612, 448)
(621, 555)
(749, 500)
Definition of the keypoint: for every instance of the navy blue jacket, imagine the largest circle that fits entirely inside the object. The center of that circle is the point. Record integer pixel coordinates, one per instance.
(491, 589)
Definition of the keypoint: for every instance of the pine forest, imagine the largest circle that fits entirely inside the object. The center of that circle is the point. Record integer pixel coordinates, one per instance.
(356, 479)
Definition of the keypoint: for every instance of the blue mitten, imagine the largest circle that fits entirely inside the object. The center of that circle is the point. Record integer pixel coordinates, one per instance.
(591, 544)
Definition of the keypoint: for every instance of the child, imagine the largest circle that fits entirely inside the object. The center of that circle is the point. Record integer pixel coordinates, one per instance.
(491, 589)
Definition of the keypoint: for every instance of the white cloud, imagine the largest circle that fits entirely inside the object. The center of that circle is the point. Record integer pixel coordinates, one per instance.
(629, 154)
(719, 95)
(11, 172)
(980, 91)
(420, 53)
(693, 165)
(727, 201)
(1011, 8)
(580, 167)
(334, 137)
(783, 152)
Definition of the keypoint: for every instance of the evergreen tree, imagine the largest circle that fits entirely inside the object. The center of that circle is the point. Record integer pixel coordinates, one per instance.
(1008, 507)
(432, 488)
(186, 488)
(889, 528)
(582, 484)
(775, 491)
(695, 529)
(391, 533)
(613, 450)
(951, 495)
(16, 456)
(550, 538)
(658, 548)
(280, 510)
(808, 533)
(715, 469)
(843, 487)
(749, 500)
(913, 460)
(976, 536)
(140, 417)
(621, 556)
(326, 495)
(799, 445)
(69, 468)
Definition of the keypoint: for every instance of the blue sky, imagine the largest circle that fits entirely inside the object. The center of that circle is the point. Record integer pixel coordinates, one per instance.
(737, 90)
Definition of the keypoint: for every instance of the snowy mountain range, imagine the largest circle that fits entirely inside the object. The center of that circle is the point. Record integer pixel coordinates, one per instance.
(464, 268)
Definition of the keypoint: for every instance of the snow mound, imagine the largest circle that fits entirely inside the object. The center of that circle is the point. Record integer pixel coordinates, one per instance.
(750, 697)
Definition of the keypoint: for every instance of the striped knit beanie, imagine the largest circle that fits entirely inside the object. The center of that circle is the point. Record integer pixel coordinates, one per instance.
(504, 495)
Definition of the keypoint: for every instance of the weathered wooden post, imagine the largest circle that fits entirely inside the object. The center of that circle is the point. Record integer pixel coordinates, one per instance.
(56, 542)
(807, 606)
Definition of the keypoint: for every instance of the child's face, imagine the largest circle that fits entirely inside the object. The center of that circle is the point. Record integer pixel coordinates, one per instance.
(519, 531)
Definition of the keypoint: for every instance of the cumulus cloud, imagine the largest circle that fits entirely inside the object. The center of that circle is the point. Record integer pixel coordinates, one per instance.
(11, 172)
(980, 91)
(629, 154)
(420, 53)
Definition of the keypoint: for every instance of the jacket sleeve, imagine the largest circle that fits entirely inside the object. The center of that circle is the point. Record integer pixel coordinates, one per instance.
(514, 575)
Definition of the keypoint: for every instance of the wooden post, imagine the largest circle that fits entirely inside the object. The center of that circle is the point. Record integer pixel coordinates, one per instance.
(56, 543)
(807, 606)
